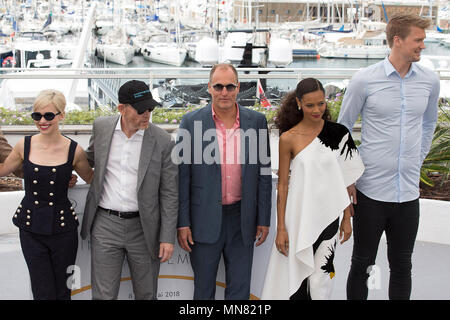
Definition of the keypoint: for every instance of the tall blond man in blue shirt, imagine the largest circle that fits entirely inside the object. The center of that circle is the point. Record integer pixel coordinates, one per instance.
(397, 100)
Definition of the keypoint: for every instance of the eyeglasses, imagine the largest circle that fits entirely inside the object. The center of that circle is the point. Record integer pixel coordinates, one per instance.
(49, 116)
(230, 87)
(150, 109)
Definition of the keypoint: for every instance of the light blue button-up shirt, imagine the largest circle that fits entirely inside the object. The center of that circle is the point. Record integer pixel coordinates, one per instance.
(398, 121)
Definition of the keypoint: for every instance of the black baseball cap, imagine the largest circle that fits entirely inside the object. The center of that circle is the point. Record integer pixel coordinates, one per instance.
(138, 95)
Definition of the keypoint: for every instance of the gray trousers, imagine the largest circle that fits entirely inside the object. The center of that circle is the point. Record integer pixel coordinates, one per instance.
(113, 238)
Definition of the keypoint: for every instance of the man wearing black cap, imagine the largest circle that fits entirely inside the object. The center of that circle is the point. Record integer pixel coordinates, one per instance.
(131, 207)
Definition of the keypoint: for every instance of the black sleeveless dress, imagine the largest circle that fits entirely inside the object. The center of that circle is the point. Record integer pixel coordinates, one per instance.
(45, 208)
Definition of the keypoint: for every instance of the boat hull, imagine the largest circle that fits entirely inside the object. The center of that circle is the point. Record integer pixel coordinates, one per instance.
(166, 55)
(117, 54)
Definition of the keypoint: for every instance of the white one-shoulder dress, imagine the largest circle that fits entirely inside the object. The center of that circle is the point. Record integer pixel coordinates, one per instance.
(317, 196)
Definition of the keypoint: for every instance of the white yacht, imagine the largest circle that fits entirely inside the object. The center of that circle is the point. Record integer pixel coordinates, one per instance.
(354, 52)
(280, 52)
(207, 52)
(365, 48)
(113, 47)
(120, 53)
(28, 45)
(191, 39)
(163, 50)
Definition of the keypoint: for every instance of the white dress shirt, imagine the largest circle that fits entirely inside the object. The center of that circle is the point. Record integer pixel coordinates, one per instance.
(121, 175)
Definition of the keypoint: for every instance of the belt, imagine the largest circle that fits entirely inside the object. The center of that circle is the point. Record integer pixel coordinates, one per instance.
(232, 207)
(122, 215)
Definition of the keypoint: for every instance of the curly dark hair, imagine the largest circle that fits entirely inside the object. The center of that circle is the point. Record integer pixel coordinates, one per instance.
(289, 114)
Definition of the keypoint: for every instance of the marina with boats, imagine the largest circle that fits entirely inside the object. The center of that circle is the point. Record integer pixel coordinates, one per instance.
(158, 34)
(87, 49)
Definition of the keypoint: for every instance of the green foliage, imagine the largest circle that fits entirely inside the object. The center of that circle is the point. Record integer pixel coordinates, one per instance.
(159, 115)
(334, 105)
(11, 117)
(269, 112)
(437, 160)
(170, 116)
(86, 117)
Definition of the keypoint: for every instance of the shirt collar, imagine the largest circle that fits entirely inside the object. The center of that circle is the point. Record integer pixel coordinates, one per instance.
(140, 132)
(216, 118)
(389, 68)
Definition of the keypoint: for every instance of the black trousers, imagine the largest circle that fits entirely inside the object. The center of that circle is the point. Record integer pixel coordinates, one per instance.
(400, 222)
(47, 258)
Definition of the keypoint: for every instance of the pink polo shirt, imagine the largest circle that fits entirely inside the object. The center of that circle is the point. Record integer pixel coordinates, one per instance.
(230, 150)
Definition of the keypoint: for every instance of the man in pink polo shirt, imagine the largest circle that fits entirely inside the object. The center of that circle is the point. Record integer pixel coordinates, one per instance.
(225, 187)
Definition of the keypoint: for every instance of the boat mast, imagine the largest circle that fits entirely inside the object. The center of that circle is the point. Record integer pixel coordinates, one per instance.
(79, 55)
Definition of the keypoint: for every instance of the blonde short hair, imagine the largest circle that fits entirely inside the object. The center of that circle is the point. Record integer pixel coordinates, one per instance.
(400, 25)
(50, 96)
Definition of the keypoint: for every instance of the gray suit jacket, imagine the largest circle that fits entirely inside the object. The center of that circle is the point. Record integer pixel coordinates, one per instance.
(157, 186)
(200, 186)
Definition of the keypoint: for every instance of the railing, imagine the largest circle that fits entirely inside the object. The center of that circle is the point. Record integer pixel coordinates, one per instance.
(185, 73)
(108, 80)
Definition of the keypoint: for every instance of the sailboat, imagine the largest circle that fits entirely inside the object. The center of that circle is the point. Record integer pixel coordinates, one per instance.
(166, 51)
(115, 49)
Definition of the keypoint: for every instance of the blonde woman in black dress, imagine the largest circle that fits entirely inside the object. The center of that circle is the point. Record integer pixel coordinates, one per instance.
(45, 217)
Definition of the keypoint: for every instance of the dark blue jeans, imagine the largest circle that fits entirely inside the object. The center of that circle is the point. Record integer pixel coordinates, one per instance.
(400, 222)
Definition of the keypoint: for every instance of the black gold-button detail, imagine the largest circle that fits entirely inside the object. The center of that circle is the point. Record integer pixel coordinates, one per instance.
(53, 170)
(52, 182)
(34, 181)
(36, 169)
(36, 202)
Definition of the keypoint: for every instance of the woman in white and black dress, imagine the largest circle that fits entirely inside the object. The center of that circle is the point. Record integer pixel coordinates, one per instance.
(318, 160)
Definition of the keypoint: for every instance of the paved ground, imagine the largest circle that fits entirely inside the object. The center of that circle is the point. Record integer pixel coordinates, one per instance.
(431, 279)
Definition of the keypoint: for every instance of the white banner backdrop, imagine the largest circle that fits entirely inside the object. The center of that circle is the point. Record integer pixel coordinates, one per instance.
(176, 276)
